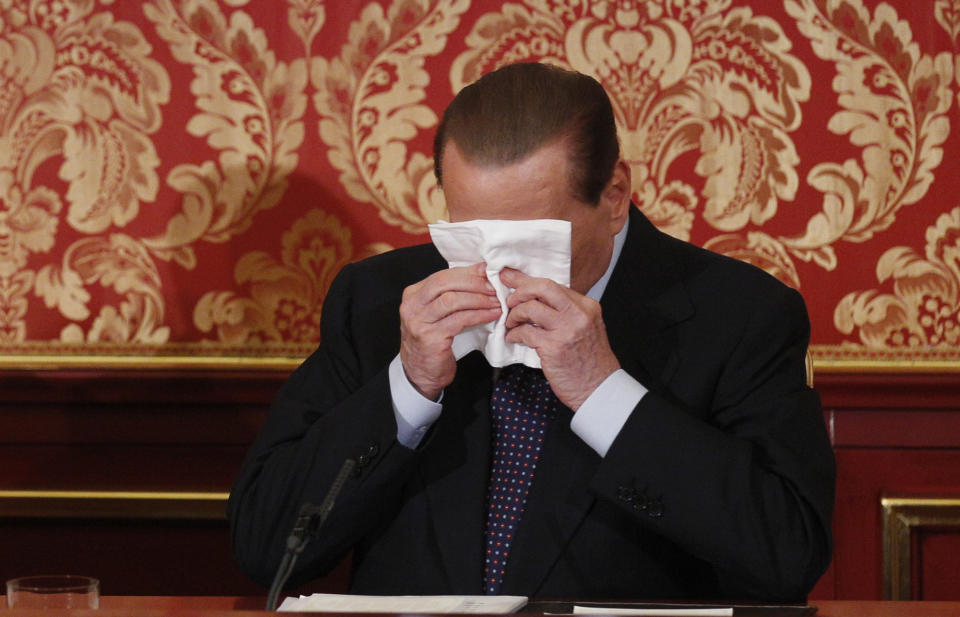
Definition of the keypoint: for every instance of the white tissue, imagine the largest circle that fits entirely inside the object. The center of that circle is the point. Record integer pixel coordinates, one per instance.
(538, 248)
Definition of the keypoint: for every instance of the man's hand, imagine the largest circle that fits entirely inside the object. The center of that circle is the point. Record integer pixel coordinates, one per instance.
(567, 331)
(435, 310)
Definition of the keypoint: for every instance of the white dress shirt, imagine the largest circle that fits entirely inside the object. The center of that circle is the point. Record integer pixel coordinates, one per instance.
(598, 420)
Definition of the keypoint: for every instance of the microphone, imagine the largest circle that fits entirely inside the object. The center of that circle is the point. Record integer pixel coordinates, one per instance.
(309, 520)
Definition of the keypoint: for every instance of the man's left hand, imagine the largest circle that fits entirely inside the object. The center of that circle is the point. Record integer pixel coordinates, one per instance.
(567, 330)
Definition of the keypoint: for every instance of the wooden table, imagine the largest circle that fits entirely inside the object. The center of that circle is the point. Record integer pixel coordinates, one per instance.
(223, 606)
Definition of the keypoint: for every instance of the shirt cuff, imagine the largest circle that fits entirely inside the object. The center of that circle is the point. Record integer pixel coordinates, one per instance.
(415, 413)
(599, 419)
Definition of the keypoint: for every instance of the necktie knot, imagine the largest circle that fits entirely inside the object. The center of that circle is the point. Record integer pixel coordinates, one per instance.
(521, 390)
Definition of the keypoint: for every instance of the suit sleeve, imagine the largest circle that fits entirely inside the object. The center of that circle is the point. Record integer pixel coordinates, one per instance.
(749, 487)
(335, 406)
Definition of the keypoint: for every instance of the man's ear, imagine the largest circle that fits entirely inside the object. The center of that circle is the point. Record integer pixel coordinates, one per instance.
(617, 194)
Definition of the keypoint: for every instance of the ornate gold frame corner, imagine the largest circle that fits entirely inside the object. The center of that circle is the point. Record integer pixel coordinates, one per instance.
(902, 517)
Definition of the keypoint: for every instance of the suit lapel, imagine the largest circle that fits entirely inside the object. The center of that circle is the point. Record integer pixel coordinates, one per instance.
(643, 301)
(556, 505)
(456, 470)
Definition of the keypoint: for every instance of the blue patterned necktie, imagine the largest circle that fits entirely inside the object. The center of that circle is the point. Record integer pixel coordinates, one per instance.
(521, 406)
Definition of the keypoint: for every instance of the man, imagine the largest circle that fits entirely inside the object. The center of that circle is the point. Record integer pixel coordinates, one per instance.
(687, 457)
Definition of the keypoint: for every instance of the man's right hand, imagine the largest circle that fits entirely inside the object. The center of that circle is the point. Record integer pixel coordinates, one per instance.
(435, 310)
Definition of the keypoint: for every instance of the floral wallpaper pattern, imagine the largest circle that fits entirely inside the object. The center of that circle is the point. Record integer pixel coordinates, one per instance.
(184, 178)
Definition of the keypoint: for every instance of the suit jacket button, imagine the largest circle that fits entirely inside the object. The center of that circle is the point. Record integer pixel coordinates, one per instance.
(365, 457)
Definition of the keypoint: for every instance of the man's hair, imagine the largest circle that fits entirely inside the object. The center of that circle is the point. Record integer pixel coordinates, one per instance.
(512, 112)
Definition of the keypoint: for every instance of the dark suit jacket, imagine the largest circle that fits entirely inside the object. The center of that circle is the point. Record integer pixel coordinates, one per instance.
(720, 485)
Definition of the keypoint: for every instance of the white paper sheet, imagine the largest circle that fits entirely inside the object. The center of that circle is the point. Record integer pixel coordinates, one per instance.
(345, 603)
(697, 611)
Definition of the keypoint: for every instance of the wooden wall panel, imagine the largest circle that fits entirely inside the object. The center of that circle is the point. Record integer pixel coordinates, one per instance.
(180, 433)
(893, 435)
(939, 565)
(169, 431)
(96, 433)
(917, 535)
(130, 557)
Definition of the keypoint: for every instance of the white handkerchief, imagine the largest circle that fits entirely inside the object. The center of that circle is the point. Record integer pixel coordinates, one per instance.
(539, 248)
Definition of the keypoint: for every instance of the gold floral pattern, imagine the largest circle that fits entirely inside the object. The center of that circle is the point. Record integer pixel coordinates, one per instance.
(286, 296)
(251, 109)
(190, 174)
(923, 310)
(704, 78)
(893, 103)
(78, 87)
(370, 102)
(120, 263)
(306, 18)
(947, 13)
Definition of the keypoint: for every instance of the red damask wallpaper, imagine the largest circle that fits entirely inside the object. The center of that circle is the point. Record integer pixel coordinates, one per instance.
(180, 180)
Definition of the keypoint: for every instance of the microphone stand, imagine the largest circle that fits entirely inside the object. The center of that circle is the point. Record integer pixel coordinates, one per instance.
(309, 521)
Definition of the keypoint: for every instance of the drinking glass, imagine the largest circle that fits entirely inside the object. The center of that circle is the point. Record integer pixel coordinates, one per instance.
(61, 591)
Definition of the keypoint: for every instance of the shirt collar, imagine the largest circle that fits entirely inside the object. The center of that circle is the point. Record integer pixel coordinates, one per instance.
(596, 292)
